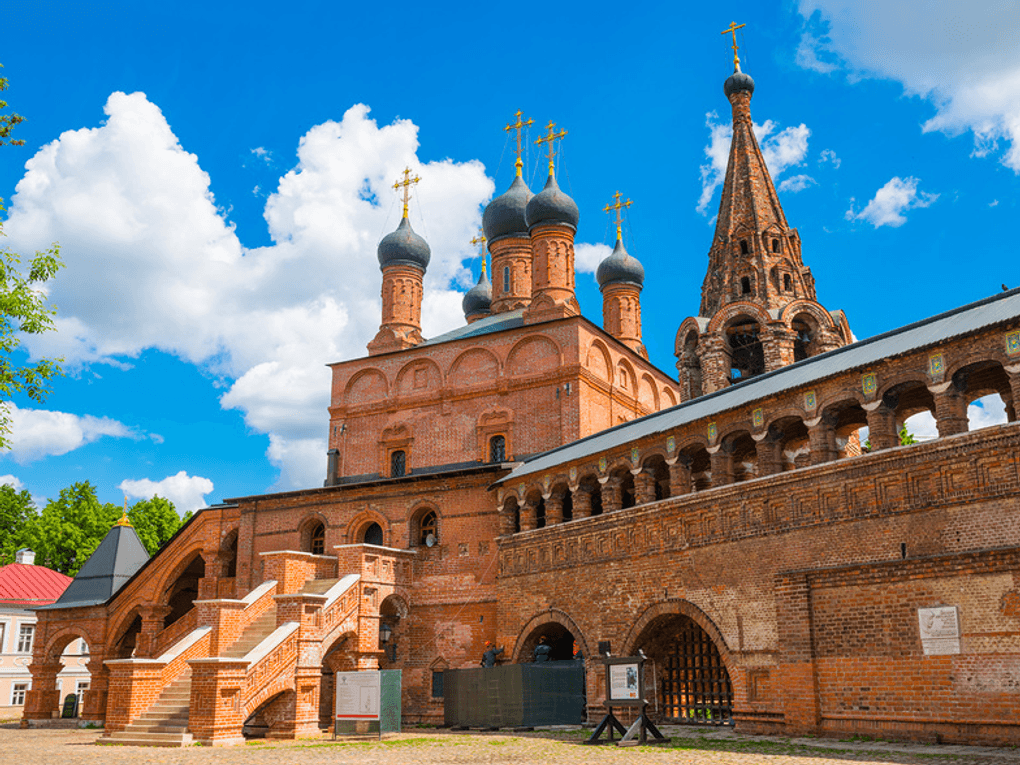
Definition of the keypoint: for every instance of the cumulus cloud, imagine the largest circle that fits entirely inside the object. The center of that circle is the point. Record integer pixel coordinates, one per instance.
(964, 58)
(38, 433)
(152, 262)
(891, 201)
(13, 481)
(781, 150)
(588, 256)
(987, 411)
(797, 183)
(185, 491)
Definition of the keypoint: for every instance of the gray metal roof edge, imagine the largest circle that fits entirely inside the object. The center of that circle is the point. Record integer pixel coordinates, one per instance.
(538, 462)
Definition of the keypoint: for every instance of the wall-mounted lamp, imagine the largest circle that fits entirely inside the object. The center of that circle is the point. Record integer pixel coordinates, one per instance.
(385, 633)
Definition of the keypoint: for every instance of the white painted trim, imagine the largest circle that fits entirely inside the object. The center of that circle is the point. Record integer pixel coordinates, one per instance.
(338, 589)
(184, 644)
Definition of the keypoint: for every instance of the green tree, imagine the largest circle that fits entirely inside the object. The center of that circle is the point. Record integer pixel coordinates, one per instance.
(24, 308)
(155, 520)
(17, 512)
(70, 528)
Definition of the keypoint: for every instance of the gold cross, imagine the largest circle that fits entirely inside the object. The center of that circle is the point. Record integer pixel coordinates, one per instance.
(550, 139)
(406, 183)
(619, 214)
(733, 30)
(519, 126)
(480, 239)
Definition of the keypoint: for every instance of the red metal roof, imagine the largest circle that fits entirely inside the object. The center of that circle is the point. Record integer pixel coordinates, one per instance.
(24, 585)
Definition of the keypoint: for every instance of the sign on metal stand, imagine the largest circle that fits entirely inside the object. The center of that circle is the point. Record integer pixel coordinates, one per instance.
(367, 700)
(625, 687)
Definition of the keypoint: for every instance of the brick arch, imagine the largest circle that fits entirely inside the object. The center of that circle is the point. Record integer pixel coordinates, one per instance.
(533, 355)
(679, 607)
(667, 399)
(406, 377)
(545, 617)
(64, 636)
(305, 527)
(631, 375)
(419, 510)
(116, 629)
(732, 311)
(184, 560)
(620, 463)
(648, 392)
(268, 693)
(689, 325)
(361, 520)
(794, 309)
(652, 451)
(367, 385)
(599, 361)
(475, 366)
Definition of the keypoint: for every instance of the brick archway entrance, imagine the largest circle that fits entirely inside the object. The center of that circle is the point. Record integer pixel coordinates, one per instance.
(692, 682)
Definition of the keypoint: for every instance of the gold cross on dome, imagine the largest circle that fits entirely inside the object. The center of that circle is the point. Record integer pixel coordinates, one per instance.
(619, 213)
(406, 183)
(480, 240)
(519, 126)
(550, 139)
(733, 30)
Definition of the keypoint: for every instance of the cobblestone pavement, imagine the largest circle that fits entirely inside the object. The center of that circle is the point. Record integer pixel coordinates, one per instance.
(424, 746)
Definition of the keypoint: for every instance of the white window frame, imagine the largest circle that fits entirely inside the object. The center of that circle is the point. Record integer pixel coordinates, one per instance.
(21, 689)
(79, 690)
(3, 635)
(26, 631)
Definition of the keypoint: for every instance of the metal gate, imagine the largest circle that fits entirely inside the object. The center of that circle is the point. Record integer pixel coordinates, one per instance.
(694, 686)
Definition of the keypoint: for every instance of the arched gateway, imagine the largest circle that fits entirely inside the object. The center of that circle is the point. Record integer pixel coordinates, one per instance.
(690, 675)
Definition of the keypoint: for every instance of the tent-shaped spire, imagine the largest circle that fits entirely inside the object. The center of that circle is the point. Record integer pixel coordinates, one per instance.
(118, 557)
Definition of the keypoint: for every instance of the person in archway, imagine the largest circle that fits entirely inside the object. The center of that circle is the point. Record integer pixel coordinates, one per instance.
(578, 653)
(542, 650)
(490, 654)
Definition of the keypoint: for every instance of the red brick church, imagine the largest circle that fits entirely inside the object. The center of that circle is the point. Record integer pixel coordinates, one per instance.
(531, 473)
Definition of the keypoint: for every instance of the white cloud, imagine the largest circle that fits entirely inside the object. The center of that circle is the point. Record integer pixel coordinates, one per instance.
(781, 150)
(986, 411)
(891, 201)
(38, 433)
(797, 183)
(964, 58)
(13, 481)
(588, 256)
(152, 262)
(302, 461)
(922, 426)
(185, 491)
(829, 156)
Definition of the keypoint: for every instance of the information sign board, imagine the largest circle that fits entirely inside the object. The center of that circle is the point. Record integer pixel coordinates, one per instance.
(357, 695)
(624, 681)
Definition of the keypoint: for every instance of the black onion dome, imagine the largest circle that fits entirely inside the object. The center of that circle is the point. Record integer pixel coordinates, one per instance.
(620, 267)
(504, 215)
(551, 205)
(737, 83)
(479, 298)
(403, 247)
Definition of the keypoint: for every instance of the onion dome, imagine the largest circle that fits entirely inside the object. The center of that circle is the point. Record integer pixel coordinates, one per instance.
(737, 83)
(504, 215)
(552, 206)
(620, 267)
(403, 247)
(478, 299)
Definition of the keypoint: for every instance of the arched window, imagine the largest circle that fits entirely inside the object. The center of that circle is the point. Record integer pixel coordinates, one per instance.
(506, 278)
(373, 534)
(747, 354)
(317, 538)
(429, 528)
(744, 250)
(497, 449)
(398, 463)
(745, 285)
(775, 245)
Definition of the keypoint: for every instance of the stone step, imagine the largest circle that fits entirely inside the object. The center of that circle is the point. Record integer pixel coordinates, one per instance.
(148, 739)
(318, 586)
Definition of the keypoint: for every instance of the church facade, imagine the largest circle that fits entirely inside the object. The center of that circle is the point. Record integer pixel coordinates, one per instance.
(533, 474)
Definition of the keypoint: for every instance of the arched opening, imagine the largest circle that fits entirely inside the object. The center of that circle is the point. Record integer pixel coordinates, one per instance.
(537, 501)
(561, 493)
(775, 245)
(745, 285)
(228, 552)
(73, 677)
(591, 486)
(657, 468)
(398, 463)
(180, 596)
(392, 632)
(425, 528)
(850, 419)
(915, 412)
(744, 455)
(625, 479)
(497, 449)
(794, 445)
(747, 354)
(744, 249)
(511, 515)
(701, 466)
(693, 685)
(124, 646)
(559, 639)
(690, 366)
(988, 394)
(372, 534)
(317, 539)
(805, 330)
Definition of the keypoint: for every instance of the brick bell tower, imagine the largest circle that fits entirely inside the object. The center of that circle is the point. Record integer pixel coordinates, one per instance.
(403, 258)
(758, 311)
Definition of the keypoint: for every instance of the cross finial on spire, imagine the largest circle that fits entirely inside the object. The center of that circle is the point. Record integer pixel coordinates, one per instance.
(550, 139)
(480, 239)
(619, 213)
(406, 183)
(519, 126)
(733, 30)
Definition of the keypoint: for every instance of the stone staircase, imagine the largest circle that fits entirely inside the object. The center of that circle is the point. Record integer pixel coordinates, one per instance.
(166, 721)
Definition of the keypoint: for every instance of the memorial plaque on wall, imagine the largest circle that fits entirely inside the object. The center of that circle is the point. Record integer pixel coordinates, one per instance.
(940, 630)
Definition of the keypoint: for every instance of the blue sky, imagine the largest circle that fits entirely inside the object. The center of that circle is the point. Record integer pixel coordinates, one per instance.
(218, 176)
